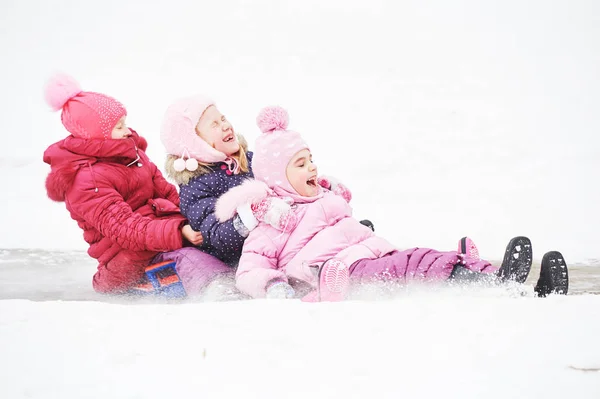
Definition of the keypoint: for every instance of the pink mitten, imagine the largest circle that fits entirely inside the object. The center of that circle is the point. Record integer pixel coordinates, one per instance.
(324, 182)
(276, 212)
(335, 186)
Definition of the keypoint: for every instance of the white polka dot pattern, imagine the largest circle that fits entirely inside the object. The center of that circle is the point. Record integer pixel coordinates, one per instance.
(197, 203)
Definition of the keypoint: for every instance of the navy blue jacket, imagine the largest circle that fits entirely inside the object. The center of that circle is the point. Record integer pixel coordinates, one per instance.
(197, 203)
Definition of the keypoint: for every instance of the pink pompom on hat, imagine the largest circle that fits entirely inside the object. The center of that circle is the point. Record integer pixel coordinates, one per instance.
(274, 149)
(178, 131)
(85, 114)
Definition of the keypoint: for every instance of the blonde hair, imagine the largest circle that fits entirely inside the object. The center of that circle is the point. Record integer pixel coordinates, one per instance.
(242, 159)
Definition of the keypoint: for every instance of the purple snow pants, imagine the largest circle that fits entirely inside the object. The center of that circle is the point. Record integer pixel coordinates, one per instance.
(196, 269)
(414, 264)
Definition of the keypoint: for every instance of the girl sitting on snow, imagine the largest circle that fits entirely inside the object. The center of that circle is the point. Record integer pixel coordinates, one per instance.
(128, 212)
(206, 159)
(325, 247)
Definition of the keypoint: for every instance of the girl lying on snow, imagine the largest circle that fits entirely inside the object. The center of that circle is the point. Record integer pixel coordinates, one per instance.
(327, 248)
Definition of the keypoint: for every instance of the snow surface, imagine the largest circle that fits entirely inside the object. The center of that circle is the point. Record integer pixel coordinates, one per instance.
(421, 345)
(444, 118)
(59, 339)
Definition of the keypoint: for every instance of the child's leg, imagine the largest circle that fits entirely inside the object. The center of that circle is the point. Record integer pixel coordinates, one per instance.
(554, 275)
(429, 264)
(367, 270)
(121, 272)
(515, 265)
(478, 265)
(471, 259)
(474, 269)
(416, 263)
(389, 267)
(195, 268)
(461, 274)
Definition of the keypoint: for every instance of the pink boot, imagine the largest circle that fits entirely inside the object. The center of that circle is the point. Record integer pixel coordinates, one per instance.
(467, 247)
(333, 284)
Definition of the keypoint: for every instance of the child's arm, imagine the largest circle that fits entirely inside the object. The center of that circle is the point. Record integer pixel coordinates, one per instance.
(198, 206)
(226, 221)
(258, 266)
(164, 189)
(99, 204)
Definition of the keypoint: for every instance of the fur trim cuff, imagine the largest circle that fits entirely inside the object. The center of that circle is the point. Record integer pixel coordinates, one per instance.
(251, 191)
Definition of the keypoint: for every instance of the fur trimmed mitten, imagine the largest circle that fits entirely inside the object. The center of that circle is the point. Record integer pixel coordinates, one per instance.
(276, 212)
(252, 202)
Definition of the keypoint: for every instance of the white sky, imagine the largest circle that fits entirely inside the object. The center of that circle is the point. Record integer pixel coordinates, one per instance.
(445, 118)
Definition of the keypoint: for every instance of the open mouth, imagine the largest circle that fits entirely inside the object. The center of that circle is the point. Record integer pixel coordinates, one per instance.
(228, 138)
(312, 182)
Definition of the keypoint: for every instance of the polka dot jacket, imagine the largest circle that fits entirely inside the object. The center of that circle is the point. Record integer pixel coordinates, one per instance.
(197, 202)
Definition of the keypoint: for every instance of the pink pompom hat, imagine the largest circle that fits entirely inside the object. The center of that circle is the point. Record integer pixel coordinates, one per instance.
(274, 149)
(85, 114)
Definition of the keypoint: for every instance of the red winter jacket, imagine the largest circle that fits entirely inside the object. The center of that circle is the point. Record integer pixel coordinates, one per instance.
(128, 213)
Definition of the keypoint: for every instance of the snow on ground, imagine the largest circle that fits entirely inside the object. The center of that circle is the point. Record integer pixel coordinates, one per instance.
(59, 339)
(450, 344)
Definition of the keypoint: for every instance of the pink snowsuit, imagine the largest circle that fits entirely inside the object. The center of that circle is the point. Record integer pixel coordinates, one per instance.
(326, 229)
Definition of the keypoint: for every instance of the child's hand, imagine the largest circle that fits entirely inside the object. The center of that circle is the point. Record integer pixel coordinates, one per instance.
(335, 186)
(280, 290)
(276, 212)
(194, 237)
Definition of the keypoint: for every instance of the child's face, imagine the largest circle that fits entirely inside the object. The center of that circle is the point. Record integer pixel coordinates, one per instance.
(302, 174)
(120, 131)
(216, 130)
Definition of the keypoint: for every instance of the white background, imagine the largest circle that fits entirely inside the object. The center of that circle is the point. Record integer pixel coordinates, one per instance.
(444, 118)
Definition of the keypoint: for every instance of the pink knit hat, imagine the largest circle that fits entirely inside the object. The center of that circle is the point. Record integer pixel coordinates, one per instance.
(273, 150)
(178, 131)
(85, 114)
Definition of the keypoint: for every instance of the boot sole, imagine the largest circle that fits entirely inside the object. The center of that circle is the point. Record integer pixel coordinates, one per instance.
(334, 277)
(554, 275)
(517, 260)
(465, 251)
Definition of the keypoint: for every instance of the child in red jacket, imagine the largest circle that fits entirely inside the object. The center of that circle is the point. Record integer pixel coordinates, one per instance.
(128, 212)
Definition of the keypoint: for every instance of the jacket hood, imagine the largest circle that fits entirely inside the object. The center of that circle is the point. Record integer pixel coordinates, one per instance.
(184, 177)
(69, 155)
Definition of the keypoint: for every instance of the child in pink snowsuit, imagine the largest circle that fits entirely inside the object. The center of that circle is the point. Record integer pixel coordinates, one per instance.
(327, 248)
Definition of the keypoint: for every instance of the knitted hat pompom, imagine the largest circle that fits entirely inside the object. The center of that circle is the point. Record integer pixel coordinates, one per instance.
(274, 118)
(59, 89)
